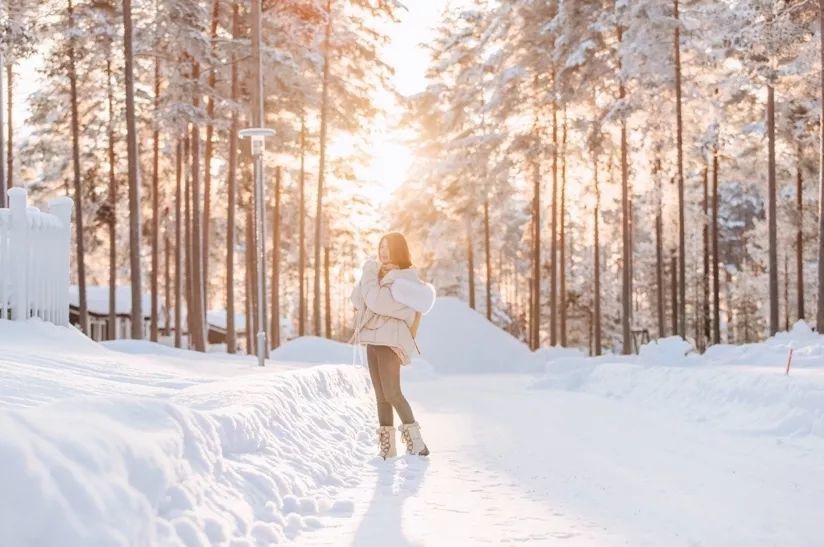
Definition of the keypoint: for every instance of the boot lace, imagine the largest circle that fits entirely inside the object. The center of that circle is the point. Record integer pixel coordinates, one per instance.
(385, 442)
(407, 439)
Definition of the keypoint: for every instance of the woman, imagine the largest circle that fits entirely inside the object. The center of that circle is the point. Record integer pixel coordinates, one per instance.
(390, 299)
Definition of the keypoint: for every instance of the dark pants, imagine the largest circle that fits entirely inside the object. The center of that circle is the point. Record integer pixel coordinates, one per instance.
(385, 370)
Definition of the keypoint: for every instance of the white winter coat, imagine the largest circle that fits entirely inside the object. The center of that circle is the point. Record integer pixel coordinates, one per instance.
(386, 308)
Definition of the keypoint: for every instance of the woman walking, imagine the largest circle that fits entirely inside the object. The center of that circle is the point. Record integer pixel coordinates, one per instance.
(390, 299)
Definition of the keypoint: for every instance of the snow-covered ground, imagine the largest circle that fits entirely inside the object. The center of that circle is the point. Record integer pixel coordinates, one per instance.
(133, 443)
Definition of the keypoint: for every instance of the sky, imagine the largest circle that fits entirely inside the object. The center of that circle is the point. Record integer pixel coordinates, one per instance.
(392, 159)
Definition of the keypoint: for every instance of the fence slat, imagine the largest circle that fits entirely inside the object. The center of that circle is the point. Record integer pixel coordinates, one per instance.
(34, 253)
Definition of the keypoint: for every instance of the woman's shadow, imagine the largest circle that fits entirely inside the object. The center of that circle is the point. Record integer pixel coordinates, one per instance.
(396, 481)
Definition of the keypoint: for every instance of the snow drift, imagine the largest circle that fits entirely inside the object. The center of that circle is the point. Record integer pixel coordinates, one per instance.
(741, 388)
(456, 338)
(101, 447)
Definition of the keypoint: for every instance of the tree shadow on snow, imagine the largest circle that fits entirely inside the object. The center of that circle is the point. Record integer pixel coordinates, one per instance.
(397, 481)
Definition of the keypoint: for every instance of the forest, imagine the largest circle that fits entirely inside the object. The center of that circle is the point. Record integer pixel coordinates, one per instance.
(587, 173)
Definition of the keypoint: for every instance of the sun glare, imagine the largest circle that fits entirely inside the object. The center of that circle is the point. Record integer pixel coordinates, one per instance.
(388, 168)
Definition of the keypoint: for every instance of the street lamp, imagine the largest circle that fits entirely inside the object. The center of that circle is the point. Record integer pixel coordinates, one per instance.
(258, 136)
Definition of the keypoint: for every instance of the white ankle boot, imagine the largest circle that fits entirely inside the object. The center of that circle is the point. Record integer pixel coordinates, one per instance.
(411, 435)
(386, 441)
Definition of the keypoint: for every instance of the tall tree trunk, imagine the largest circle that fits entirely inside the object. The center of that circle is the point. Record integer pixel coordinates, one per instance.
(178, 245)
(324, 115)
(626, 286)
(167, 317)
(207, 160)
(10, 121)
(819, 323)
(716, 292)
(535, 279)
(187, 198)
(250, 282)
(799, 239)
(562, 237)
(197, 314)
(532, 342)
(470, 263)
(274, 340)
(674, 289)
(155, 206)
(488, 261)
(78, 187)
(596, 260)
(302, 232)
(553, 227)
(705, 280)
(771, 211)
(231, 190)
(112, 320)
(134, 182)
(682, 249)
(659, 266)
(3, 178)
(253, 267)
(328, 292)
(786, 291)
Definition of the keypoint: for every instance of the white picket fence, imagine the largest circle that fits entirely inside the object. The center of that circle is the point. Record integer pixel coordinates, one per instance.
(34, 259)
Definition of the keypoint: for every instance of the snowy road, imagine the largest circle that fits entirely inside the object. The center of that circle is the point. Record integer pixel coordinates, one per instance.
(535, 467)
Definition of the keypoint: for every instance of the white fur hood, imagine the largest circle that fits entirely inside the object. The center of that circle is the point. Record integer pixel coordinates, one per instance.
(407, 289)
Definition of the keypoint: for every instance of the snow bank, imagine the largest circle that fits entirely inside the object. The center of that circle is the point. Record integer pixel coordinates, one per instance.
(807, 346)
(743, 388)
(456, 338)
(313, 349)
(101, 447)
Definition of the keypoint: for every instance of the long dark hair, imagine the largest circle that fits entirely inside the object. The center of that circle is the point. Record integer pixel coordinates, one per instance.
(398, 250)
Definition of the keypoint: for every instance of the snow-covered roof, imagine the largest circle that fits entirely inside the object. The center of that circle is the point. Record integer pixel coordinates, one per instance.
(97, 300)
(217, 318)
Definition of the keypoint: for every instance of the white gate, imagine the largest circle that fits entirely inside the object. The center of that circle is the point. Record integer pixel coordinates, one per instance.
(34, 259)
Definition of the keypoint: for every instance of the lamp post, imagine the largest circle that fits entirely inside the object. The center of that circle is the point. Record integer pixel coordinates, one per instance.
(258, 136)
